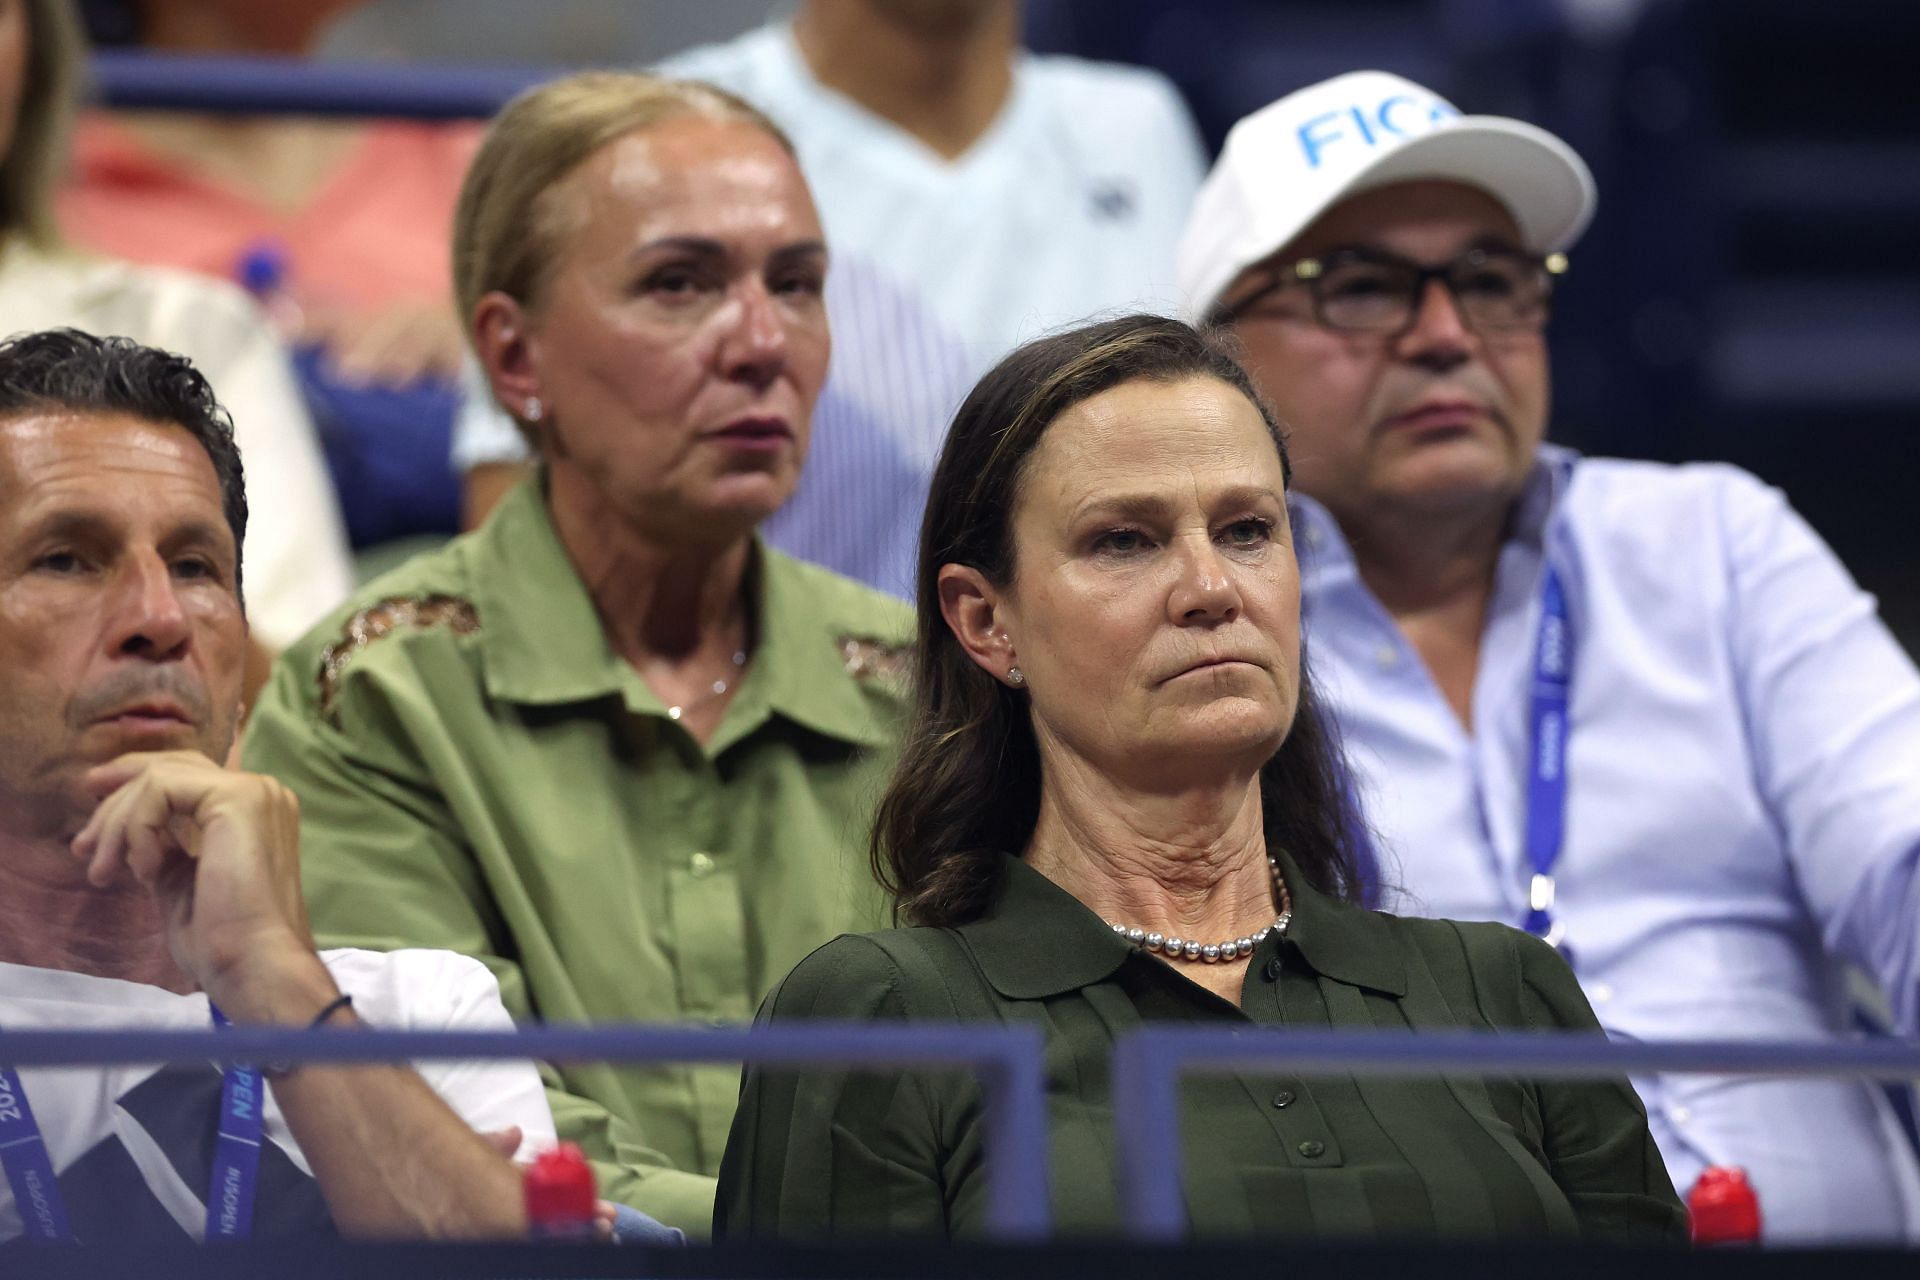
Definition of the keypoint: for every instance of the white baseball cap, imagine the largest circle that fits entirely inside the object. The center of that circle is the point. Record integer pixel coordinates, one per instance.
(1292, 160)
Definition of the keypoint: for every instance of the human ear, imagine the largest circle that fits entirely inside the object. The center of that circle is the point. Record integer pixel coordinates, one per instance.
(975, 612)
(502, 338)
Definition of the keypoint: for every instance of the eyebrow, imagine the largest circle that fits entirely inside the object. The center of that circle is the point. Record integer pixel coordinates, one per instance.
(700, 245)
(193, 532)
(78, 525)
(707, 247)
(1148, 505)
(84, 526)
(803, 249)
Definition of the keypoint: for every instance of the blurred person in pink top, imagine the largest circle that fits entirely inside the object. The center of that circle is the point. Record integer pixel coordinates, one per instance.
(339, 226)
(361, 208)
(297, 566)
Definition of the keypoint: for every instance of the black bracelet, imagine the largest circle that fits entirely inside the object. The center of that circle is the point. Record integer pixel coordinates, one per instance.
(281, 1070)
(320, 1018)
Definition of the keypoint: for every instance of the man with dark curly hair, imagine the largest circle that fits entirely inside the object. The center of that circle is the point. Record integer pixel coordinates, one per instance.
(141, 883)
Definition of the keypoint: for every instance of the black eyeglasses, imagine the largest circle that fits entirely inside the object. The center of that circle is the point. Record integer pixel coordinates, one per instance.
(1372, 291)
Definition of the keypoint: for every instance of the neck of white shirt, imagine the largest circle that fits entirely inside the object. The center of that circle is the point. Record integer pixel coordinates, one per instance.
(945, 82)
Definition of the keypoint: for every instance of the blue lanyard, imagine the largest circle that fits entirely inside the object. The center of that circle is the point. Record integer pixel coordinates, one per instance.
(236, 1157)
(1547, 757)
(24, 1153)
(236, 1150)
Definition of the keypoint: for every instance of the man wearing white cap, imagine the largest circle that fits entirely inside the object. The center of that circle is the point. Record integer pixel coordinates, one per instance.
(1640, 710)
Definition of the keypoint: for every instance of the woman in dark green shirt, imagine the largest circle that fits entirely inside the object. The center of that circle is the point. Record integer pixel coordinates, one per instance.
(1118, 804)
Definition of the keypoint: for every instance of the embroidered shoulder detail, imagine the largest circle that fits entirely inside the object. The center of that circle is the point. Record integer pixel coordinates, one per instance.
(382, 619)
(873, 659)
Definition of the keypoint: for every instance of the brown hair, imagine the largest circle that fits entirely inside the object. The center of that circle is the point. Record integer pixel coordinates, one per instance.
(966, 790)
(56, 51)
(507, 229)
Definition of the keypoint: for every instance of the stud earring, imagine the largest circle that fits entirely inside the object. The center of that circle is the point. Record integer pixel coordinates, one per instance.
(1016, 677)
(533, 409)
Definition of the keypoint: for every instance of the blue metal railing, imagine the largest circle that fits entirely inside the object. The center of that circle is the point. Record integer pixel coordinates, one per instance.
(1008, 1060)
(1147, 1067)
(295, 86)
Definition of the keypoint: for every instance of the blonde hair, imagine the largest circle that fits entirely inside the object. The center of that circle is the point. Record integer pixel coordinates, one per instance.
(56, 51)
(507, 232)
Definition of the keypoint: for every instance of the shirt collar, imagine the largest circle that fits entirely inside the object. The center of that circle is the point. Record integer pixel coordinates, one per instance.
(1326, 558)
(1036, 940)
(795, 80)
(1546, 485)
(540, 638)
(1341, 941)
(543, 643)
(801, 669)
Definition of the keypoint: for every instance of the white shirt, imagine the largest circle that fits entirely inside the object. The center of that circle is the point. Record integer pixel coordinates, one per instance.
(1743, 803)
(296, 565)
(131, 1145)
(1069, 206)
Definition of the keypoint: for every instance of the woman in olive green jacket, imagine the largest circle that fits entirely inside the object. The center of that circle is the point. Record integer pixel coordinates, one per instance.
(1118, 804)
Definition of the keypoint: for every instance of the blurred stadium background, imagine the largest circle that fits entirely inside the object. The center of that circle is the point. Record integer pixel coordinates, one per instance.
(1748, 292)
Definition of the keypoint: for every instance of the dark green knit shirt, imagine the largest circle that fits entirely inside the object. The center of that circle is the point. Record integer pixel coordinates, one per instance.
(837, 1153)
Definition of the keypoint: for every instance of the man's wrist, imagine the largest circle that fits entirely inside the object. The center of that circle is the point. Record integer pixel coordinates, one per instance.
(282, 991)
(338, 1012)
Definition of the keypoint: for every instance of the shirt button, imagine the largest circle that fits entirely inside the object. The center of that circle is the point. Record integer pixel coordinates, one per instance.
(1679, 1115)
(1284, 1098)
(1387, 656)
(1313, 1149)
(701, 865)
(1599, 993)
(1272, 971)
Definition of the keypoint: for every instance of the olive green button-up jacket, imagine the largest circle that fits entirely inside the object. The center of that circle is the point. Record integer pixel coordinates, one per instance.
(848, 1153)
(479, 771)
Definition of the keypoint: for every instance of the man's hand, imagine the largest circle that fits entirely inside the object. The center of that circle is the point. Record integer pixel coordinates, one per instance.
(221, 851)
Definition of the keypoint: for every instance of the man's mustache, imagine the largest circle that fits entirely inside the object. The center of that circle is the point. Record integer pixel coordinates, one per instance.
(1470, 381)
(134, 686)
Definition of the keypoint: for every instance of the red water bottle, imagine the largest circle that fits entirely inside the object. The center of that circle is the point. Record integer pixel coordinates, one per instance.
(1723, 1208)
(560, 1195)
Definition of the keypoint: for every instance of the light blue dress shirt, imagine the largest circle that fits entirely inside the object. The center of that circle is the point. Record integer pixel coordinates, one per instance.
(1743, 805)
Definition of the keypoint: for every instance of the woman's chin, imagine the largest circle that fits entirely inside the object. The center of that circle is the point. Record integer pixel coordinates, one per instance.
(747, 499)
(1228, 729)
(721, 515)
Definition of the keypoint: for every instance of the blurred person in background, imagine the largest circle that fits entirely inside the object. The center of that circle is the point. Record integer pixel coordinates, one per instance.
(611, 743)
(143, 885)
(975, 195)
(1641, 710)
(338, 225)
(296, 556)
(1118, 805)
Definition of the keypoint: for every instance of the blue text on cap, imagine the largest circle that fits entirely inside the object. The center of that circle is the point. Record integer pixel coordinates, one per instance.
(1390, 115)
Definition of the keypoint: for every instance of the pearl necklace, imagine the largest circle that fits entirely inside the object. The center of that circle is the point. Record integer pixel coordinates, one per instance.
(1214, 952)
(719, 687)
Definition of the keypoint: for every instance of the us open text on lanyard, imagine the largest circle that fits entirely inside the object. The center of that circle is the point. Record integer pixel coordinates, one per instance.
(236, 1157)
(1547, 758)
